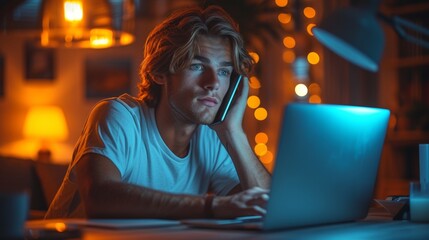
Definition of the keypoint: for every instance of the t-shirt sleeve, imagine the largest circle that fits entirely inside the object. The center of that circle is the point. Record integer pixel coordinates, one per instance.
(109, 131)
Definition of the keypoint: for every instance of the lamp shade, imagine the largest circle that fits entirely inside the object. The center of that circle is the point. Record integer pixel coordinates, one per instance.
(354, 34)
(87, 23)
(46, 123)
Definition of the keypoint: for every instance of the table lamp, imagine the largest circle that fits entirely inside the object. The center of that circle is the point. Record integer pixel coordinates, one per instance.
(46, 124)
(355, 34)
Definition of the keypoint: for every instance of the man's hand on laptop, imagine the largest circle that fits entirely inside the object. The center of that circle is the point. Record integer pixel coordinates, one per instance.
(252, 201)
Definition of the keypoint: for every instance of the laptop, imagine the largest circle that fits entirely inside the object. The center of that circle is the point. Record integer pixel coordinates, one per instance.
(325, 169)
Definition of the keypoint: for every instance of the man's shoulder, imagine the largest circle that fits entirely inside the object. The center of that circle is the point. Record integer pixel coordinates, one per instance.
(122, 102)
(121, 107)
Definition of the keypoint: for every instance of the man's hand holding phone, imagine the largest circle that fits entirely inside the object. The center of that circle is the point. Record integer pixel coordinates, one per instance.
(233, 105)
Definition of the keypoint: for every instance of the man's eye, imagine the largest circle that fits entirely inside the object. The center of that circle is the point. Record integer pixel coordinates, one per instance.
(196, 67)
(224, 73)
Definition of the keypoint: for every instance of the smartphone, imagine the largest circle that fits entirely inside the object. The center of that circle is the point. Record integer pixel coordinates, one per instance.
(228, 98)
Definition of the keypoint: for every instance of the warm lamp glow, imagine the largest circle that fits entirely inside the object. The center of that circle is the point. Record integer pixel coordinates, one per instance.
(101, 38)
(73, 11)
(46, 123)
(87, 23)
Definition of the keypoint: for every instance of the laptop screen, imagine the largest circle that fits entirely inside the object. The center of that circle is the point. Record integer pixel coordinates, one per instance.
(326, 165)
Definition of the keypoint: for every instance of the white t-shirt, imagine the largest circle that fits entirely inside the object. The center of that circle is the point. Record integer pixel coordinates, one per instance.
(124, 130)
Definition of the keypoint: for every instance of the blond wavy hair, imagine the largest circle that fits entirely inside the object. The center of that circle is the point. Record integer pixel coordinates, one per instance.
(171, 46)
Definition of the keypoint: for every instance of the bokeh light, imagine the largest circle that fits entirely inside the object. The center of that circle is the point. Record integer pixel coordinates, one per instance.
(254, 56)
(289, 42)
(254, 83)
(281, 3)
(261, 114)
(261, 137)
(313, 58)
(309, 12)
(301, 90)
(284, 18)
(288, 56)
(314, 88)
(260, 149)
(310, 27)
(267, 158)
(315, 99)
(253, 101)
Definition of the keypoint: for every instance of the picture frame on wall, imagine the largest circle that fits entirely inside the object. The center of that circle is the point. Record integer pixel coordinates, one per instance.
(2, 76)
(39, 63)
(107, 77)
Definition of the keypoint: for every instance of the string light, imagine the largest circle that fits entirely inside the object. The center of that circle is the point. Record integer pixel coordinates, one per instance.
(301, 90)
(310, 27)
(281, 3)
(314, 99)
(260, 114)
(267, 158)
(313, 58)
(289, 42)
(260, 149)
(309, 12)
(288, 56)
(261, 137)
(254, 56)
(254, 83)
(284, 18)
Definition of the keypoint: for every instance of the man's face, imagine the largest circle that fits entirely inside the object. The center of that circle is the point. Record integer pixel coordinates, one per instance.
(195, 93)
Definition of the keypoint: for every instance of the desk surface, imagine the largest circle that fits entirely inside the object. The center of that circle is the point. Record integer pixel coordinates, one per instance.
(359, 230)
(371, 228)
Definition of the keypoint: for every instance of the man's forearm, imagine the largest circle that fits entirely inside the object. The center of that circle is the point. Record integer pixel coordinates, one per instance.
(251, 171)
(122, 200)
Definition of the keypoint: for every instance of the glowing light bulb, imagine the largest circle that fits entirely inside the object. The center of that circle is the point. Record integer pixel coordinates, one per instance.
(313, 58)
(289, 42)
(301, 90)
(253, 101)
(261, 137)
(260, 114)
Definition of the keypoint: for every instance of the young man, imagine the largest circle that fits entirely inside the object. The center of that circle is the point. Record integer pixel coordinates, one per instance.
(157, 156)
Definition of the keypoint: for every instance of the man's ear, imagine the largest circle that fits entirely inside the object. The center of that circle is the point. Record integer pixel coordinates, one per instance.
(160, 79)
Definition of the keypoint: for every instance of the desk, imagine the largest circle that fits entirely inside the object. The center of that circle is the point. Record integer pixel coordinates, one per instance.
(359, 230)
(372, 227)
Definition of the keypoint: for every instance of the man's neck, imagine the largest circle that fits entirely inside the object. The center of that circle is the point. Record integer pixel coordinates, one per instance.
(175, 133)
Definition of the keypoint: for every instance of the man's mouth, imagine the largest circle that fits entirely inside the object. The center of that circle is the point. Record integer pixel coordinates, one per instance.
(208, 101)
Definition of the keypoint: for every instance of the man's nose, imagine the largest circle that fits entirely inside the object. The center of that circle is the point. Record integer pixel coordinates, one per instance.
(211, 80)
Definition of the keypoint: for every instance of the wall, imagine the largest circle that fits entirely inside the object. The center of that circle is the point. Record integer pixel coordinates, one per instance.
(67, 90)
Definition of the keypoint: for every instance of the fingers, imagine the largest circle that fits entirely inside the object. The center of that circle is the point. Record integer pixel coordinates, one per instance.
(255, 200)
(252, 201)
